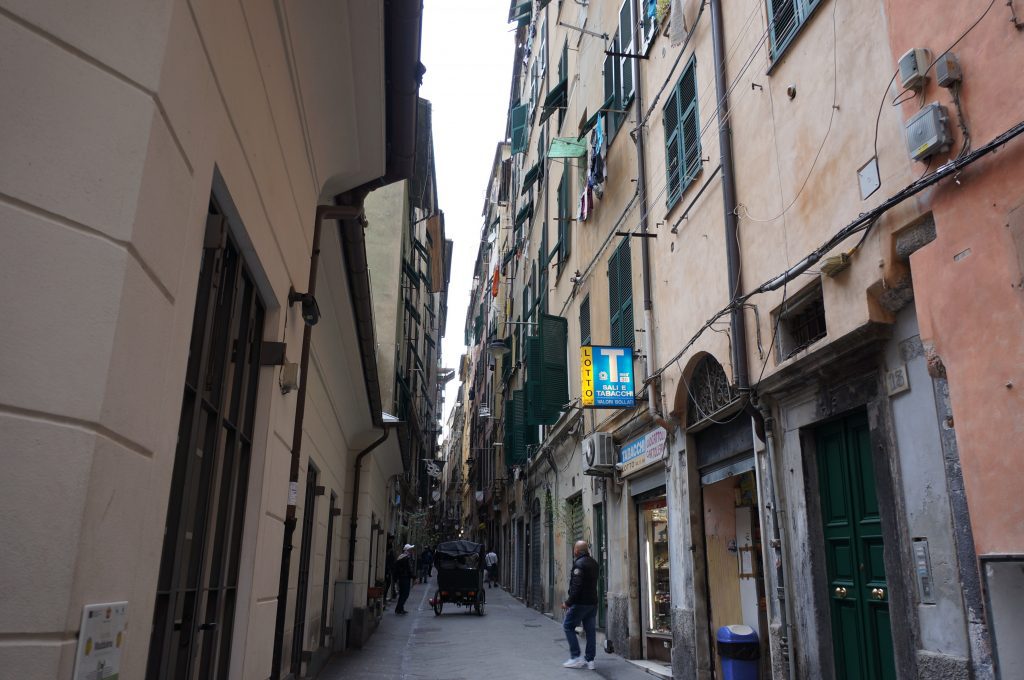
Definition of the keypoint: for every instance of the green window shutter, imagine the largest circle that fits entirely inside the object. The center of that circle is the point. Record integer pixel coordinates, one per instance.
(673, 166)
(585, 321)
(519, 429)
(534, 381)
(611, 92)
(564, 219)
(613, 298)
(682, 134)
(626, 24)
(689, 125)
(554, 333)
(518, 124)
(627, 337)
(783, 20)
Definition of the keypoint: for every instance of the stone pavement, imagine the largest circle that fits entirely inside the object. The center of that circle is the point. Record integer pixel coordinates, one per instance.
(509, 642)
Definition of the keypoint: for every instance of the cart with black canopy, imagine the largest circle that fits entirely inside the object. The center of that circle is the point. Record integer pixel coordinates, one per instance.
(460, 576)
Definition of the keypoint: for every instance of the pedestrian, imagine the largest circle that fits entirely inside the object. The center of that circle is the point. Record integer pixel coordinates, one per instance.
(581, 606)
(403, 572)
(389, 567)
(491, 562)
(426, 564)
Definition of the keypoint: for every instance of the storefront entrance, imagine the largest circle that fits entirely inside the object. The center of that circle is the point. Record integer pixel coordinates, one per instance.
(655, 595)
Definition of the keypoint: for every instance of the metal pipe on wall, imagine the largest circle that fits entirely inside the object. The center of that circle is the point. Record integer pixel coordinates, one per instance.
(354, 519)
(323, 212)
(732, 248)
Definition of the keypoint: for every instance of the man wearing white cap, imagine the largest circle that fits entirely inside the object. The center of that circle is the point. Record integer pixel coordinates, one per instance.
(403, 575)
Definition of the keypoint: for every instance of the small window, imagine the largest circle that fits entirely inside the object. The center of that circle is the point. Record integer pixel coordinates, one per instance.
(785, 17)
(801, 321)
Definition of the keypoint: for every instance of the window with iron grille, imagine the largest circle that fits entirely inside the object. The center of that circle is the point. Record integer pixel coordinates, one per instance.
(801, 321)
(785, 18)
(682, 134)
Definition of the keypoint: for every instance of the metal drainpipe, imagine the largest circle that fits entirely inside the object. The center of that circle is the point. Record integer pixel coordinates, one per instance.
(732, 250)
(322, 212)
(645, 249)
(354, 519)
(786, 614)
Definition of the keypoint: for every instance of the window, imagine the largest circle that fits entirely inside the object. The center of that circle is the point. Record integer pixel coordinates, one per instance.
(563, 81)
(620, 296)
(534, 88)
(682, 134)
(585, 321)
(564, 219)
(785, 17)
(649, 25)
(618, 72)
(801, 321)
(542, 50)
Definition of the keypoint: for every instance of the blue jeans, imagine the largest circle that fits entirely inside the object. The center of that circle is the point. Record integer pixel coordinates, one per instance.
(587, 613)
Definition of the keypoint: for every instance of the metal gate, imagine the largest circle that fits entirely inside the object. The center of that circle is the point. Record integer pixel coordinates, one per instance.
(197, 586)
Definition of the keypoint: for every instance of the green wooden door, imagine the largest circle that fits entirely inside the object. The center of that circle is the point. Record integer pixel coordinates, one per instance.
(859, 594)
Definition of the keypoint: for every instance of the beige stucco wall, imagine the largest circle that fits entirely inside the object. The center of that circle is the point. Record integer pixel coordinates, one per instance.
(118, 119)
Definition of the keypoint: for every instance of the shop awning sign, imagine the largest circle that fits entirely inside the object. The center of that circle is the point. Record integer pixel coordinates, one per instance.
(643, 451)
(607, 376)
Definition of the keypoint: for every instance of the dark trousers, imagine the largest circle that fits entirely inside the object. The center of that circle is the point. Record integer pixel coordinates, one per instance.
(587, 613)
(404, 585)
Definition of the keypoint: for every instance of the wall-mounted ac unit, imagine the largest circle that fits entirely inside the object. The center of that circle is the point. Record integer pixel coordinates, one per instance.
(598, 454)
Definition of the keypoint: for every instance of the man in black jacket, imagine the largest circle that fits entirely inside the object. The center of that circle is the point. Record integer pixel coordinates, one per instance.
(581, 606)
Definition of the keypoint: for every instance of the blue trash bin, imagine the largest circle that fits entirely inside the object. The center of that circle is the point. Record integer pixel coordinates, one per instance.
(739, 648)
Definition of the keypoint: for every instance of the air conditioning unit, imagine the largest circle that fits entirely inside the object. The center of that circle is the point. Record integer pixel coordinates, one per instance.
(598, 454)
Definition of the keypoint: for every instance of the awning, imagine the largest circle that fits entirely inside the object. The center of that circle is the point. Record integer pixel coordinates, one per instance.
(555, 100)
(567, 147)
(530, 177)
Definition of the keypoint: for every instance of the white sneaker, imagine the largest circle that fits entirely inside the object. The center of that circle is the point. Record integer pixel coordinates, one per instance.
(590, 665)
(578, 662)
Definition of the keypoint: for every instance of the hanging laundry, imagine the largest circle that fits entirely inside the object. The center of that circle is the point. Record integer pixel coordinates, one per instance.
(495, 280)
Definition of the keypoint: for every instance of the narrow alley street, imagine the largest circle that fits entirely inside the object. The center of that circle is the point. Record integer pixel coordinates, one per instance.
(510, 641)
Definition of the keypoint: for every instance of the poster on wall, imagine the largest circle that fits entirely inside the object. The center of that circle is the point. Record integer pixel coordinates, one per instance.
(101, 638)
(607, 376)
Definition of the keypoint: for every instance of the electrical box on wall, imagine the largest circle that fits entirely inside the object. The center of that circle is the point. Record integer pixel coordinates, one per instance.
(947, 70)
(928, 132)
(914, 68)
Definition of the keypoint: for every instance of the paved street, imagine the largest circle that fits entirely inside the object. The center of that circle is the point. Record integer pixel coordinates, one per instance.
(510, 641)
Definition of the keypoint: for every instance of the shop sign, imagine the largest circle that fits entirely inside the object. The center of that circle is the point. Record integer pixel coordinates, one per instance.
(607, 376)
(643, 451)
(100, 641)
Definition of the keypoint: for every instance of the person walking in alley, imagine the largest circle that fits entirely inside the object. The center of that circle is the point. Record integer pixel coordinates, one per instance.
(491, 562)
(426, 564)
(403, 573)
(389, 571)
(581, 606)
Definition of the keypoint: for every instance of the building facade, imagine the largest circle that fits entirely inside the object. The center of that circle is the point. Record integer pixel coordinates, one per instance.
(745, 204)
(194, 433)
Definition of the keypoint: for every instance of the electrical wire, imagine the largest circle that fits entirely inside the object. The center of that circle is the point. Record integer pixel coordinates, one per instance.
(946, 51)
(864, 222)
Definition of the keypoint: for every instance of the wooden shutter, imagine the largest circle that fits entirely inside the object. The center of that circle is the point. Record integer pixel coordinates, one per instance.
(626, 26)
(535, 414)
(689, 125)
(518, 121)
(613, 298)
(783, 19)
(670, 119)
(585, 321)
(624, 287)
(554, 333)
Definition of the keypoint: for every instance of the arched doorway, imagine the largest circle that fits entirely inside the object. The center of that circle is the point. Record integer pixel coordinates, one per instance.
(721, 450)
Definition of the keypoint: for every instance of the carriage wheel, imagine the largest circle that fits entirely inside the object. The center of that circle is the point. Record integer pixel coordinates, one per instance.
(437, 603)
(479, 608)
